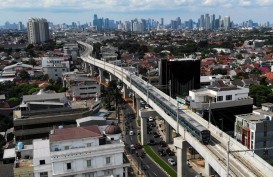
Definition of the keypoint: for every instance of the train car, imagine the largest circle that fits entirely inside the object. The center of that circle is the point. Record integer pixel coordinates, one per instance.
(192, 126)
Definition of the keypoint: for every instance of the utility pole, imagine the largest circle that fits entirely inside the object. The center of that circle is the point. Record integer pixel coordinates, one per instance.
(170, 89)
(177, 115)
(209, 112)
(228, 156)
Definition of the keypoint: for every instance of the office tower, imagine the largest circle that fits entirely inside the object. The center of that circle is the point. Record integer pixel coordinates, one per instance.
(207, 22)
(179, 24)
(184, 75)
(37, 30)
(95, 20)
(106, 23)
(127, 26)
(202, 22)
(20, 26)
(162, 22)
(213, 21)
(227, 22)
(174, 24)
(217, 24)
(144, 23)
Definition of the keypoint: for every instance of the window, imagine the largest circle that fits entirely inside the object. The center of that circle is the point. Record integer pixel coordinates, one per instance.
(229, 97)
(66, 147)
(264, 144)
(68, 166)
(108, 172)
(108, 160)
(220, 98)
(55, 70)
(89, 144)
(63, 69)
(56, 74)
(43, 174)
(89, 175)
(265, 133)
(88, 163)
(42, 162)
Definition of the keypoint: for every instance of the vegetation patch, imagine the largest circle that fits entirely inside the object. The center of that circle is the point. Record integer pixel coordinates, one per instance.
(160, 161)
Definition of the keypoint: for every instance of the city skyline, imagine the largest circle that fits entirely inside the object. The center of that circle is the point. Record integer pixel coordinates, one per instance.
(82, 10)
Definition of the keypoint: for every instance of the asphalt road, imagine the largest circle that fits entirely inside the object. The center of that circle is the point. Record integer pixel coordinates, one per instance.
(151, 169)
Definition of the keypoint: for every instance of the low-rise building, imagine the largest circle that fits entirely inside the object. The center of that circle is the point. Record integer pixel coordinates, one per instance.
(255, 130)
(224, 102)
(89, 151)
(80, 85)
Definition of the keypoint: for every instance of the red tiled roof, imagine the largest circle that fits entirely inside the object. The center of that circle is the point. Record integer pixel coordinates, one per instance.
(75, 133)
(269, 76)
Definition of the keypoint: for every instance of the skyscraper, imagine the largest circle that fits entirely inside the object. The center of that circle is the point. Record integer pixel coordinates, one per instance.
(20, 26)
(227, 22)
(202, 22)
(37, 30)
(162, 22)
(213, 21)
(207, 22)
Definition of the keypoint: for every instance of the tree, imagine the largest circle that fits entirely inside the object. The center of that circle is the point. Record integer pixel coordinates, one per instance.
(260, 94)
(24, 75)
(2, 141)
(14, 99)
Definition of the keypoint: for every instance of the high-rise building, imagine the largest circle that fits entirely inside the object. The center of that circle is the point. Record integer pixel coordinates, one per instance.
(213, 21)
(207, 22)
(38, 30)
(227, 22)
(20, 26)
(184, 75)
(95, 20)
(162, 22)
(202, 22)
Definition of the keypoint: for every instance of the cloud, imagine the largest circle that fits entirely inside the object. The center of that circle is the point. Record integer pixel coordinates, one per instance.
(127, 5)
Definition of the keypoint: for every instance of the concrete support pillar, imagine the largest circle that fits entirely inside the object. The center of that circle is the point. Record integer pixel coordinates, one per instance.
(181, 150)
(208, 168)
(126, 171)
(85, 67)
(92, 69)
(168, 132)
(137, 105)
(125, 91)
(144, 131)
(101, 74)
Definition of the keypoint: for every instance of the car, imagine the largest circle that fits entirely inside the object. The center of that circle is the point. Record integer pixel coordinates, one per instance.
(151, 142)
(151, 119)
(140, 153)
(146, 106)
(171, 161)
(162, 143)
(131, 133)
(132, 147)
(169, 152)
(162, 152)
(138, 146)
(156, 135)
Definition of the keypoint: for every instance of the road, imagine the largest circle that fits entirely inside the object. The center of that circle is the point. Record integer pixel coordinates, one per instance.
(152, 170)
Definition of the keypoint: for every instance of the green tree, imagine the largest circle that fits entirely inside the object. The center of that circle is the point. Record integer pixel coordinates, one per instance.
(2, 141)
(259, 93)
(14, 99)
(24, 75)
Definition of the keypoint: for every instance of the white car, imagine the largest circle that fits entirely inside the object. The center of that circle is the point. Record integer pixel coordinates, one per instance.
(131, 133)
(171, 161)
(147, 106)
(151, 119)
(132, 147)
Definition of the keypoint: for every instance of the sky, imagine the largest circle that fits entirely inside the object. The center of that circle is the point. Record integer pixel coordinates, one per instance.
(67, 11)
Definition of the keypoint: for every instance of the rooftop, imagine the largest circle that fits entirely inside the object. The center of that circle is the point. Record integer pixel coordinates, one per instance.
(74, 133)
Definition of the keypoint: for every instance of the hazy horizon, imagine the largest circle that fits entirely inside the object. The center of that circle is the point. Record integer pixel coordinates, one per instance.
(63, 11)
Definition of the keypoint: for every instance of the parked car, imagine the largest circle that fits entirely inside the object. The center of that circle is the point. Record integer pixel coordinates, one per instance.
(162, 143)
(171, 161)
(131, 133)
(151, 119)
(162, 152)
(138, 146)
(169, 152)
(151, 142)
(140, 153)
(132, 147)
(156, 135)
